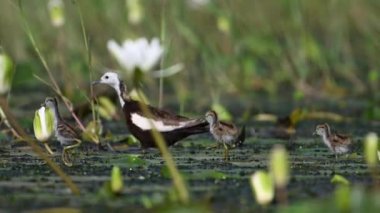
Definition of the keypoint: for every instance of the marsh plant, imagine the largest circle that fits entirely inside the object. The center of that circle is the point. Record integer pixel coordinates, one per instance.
(263, 187)
(43, 126)
(56, 12)
(280, 171)
(117, 183)
(6, 73)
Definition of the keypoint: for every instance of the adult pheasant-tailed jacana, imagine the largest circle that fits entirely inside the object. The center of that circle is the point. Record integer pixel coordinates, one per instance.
(171, 126)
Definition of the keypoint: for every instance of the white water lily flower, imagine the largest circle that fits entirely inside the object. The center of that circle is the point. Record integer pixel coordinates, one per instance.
(137, 54)
(43, 124)
(56, 12)
(6, 73)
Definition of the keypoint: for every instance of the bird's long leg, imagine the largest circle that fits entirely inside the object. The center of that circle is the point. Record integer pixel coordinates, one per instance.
(48, 149)
(66, 156)
(226, 152)
(213, 146)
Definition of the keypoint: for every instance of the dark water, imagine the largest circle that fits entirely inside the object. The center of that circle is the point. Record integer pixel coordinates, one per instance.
(27, 183)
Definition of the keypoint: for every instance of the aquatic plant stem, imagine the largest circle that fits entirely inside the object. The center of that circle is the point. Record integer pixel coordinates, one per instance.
(178, 181)
(89, 64)
(163, 34)
(54, 85)
(38, 150)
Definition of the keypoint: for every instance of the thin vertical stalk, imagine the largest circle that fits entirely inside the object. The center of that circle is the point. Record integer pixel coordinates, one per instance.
(89, 60)
(163, 35)
(178, 181)
(56, 88)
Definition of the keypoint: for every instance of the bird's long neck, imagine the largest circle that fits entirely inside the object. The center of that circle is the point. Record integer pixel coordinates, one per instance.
(57, 116)
(214, 121)
(328, 130)
(122, 93)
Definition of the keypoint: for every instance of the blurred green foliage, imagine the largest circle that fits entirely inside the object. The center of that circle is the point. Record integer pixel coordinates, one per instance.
(325, 49)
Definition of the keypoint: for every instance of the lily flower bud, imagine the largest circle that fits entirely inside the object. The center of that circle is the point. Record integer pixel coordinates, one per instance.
(6, 73)
(43, 124)
(117, 183)
(263, 187)
(279, 166)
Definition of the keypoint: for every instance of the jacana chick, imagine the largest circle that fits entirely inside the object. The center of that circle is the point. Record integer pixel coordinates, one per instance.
(337, 143)
(67, 135)
(225, 133)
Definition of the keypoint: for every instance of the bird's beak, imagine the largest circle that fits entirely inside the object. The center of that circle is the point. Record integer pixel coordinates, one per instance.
(314, 133)
(43, 105)
(96, 82)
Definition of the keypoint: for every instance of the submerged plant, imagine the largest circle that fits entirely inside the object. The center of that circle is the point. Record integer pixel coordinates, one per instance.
(43, 126)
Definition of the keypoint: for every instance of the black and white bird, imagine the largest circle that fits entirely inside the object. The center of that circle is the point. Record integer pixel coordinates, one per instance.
(171, 126)
(225, 133)
(67, 135)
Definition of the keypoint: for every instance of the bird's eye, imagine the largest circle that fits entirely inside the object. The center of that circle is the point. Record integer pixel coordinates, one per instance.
(106, 76)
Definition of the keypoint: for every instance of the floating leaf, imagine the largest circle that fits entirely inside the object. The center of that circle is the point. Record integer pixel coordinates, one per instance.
(117, 183)
(338, 179)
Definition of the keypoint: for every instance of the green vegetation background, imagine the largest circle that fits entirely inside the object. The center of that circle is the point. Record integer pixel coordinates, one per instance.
(313, 49)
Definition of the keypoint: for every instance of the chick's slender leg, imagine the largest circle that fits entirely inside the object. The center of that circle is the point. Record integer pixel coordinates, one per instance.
(66, 158)
(226, 152)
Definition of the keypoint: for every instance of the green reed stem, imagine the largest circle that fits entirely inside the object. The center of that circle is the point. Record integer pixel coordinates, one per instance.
(47, 68)
(178, 181)
(89, 61)
(163, 35)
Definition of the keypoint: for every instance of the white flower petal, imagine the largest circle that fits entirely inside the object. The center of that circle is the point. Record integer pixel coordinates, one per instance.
(139, 53)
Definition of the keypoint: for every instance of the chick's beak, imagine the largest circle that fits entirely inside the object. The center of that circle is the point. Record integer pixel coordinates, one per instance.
(314, 133)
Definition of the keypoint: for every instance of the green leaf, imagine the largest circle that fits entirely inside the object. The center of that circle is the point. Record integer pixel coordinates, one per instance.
(338, 179)
(370, 149)
(279, 165)
(117, 183)
(222, 112)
